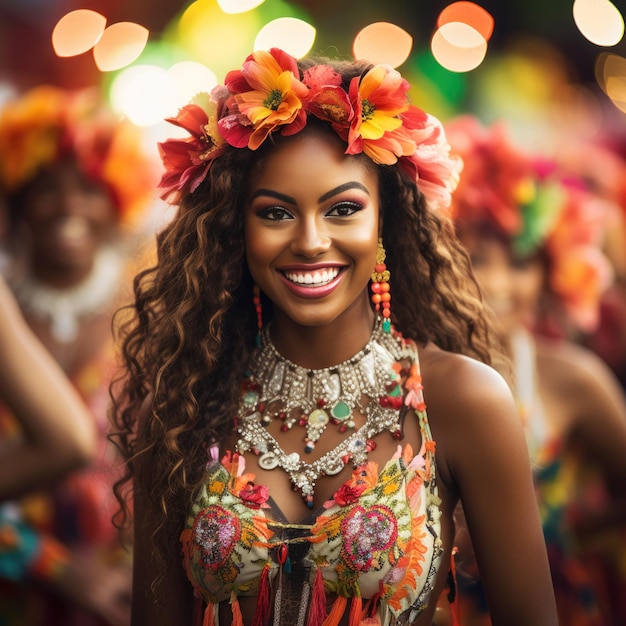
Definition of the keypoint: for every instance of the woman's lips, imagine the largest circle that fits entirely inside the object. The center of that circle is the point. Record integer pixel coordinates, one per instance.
(312, 283)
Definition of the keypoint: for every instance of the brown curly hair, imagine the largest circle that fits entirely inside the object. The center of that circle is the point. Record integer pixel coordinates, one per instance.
(192, 326)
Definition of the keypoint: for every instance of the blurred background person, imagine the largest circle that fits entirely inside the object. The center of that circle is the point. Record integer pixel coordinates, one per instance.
(75, 180)
(58, 433)
(535, 238)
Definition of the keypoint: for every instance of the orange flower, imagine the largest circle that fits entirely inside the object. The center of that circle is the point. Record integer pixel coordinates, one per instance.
(378, 99)
(268, 94)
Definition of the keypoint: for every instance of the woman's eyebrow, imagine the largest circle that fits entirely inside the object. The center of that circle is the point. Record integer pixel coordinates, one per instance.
(329, 194)
(273, 194)
(350, 185)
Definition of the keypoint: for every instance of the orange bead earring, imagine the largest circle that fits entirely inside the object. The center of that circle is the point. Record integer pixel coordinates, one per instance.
(381, 296)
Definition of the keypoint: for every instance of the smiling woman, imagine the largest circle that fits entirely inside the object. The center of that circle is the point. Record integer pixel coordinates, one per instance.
(272, 408)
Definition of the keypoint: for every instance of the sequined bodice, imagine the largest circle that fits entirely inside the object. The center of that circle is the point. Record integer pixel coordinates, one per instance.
(374, 547)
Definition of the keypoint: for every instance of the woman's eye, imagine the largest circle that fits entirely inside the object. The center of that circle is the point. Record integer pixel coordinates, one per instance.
(344, 209)
(275, 214)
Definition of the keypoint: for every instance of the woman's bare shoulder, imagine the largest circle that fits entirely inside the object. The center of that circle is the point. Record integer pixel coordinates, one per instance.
(470, 407)
(458, 381)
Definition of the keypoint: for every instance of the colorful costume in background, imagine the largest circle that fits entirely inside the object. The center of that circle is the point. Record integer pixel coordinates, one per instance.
(535, 206)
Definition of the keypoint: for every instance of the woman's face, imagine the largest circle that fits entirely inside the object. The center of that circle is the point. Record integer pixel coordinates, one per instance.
(68, 218)
(311, 230)
(511, 285)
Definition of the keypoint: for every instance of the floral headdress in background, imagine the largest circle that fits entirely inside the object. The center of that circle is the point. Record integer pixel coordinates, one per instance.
(539, 208)
(48, 123)
(270, 95)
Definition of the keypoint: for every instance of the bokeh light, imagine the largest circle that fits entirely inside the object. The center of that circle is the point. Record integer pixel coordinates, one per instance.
(120, 45)
(218, 40)
(189, 79)
(238, 6)
(145, 94)
(599, 21)
(458, 47)
(77, 32)
(383, 42)
(468, 13)
(610, 72)
(289, 33)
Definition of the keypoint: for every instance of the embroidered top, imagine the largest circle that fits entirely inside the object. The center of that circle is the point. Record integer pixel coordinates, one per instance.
(375, 544)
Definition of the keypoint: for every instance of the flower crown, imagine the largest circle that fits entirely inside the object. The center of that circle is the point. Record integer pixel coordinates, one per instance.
(48, 123)
(270, 95)
(539, 208)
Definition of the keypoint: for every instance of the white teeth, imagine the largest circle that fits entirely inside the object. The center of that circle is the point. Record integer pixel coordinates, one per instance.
(315, 278)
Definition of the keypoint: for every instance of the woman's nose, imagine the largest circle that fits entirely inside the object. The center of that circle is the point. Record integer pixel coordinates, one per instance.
(311, 238)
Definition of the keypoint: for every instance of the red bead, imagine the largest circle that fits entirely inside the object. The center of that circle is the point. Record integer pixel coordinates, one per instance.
(379, 268)
(370, 444)
(385, 297)
(396, 402)
(375, 287)
(384, 402)
(386, 313)
(282, 553)
(398, 434)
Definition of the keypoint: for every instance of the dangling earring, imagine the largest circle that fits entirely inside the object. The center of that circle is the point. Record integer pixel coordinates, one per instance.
(380, 287)
(256, 299)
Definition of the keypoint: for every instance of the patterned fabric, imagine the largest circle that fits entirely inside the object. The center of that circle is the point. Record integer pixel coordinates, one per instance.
(374, 545)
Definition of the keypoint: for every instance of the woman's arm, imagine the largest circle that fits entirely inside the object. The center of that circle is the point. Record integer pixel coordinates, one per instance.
(484, 452)
(58, 431)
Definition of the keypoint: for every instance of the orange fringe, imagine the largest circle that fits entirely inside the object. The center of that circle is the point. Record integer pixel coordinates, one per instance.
(356, 611)
(336, 612)
(236, 610)
(209, 615)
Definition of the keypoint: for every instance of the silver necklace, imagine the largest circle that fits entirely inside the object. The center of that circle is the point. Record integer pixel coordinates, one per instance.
(65, 308)
(276, 388)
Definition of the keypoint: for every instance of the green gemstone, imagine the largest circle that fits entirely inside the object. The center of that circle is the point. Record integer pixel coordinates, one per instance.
(340, 411)
(396, 391)
(387, 325)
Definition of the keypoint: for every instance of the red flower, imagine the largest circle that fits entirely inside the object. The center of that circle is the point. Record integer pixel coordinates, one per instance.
(349, 493)
(254, 496)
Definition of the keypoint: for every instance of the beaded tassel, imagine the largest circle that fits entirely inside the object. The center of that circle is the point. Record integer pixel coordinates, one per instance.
(256, 299)
(380, 287)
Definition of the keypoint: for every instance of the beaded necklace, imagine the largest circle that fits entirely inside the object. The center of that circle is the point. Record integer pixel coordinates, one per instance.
(276, 388)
